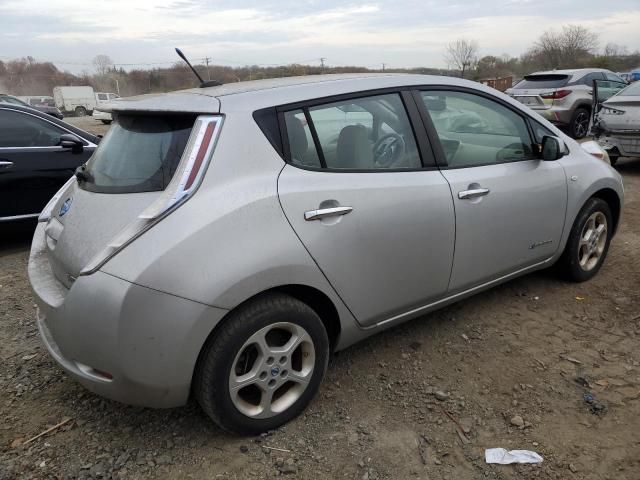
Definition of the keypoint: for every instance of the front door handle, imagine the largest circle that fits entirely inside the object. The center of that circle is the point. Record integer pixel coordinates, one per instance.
(5, 164)
(326, 212)
(475, 193)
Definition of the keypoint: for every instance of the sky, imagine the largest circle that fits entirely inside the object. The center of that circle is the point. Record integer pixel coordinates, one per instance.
(399, 33)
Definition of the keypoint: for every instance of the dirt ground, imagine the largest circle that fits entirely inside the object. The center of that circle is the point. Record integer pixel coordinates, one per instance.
(508, 368)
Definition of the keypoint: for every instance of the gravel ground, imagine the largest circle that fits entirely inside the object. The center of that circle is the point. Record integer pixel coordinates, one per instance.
(508, 368)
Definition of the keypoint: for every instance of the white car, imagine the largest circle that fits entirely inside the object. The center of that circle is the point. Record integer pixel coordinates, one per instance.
(104, 117)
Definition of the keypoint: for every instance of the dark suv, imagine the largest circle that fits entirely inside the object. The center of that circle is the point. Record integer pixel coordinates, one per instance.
(564, 97)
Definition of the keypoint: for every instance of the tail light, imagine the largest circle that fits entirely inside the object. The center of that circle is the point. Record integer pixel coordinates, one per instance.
(558, 94)
(184, 183)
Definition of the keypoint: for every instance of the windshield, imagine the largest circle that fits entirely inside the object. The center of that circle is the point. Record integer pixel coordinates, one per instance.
(543, 81)
(139, 153)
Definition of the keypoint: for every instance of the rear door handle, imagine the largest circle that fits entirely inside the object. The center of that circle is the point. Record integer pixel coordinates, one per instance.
(5, 164)
(475, 193)
(326, 212)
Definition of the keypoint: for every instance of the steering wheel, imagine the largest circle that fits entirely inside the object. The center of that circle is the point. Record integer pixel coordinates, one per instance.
(388, 150)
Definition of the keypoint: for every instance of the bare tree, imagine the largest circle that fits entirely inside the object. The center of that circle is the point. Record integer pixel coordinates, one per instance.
(102, 63)
(566, 48)
(462, 54)
(615, 50)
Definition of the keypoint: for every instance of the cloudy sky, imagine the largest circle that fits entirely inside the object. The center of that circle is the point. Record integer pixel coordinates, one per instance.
(397, 32)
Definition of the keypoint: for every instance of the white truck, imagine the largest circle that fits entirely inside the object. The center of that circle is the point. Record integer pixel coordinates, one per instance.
(75, 100)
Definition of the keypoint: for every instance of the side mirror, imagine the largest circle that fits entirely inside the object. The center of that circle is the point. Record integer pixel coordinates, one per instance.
(552, 148)
(68, 140)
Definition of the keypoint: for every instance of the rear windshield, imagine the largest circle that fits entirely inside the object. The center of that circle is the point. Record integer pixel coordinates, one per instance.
(139, 153)
(543, 81)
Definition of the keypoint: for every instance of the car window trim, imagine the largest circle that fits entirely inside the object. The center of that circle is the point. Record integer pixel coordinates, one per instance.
(87, 144)
(432, 133)
(425, 150)
(315, 137)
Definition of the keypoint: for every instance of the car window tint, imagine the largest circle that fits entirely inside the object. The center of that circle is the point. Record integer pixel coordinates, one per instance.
(19, 129)
(370, 133)
(303, 152)
(102, 96)
(474, 130)
(613, 77)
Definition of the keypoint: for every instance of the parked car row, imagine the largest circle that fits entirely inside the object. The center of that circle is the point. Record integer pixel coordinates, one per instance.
(42, 107)
(565, 97)
(223, 244)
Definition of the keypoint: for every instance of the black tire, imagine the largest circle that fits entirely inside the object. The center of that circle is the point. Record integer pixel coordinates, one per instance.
(106, 122)
(579, 125)
(80, 111)
(569, 262)
(211, 377)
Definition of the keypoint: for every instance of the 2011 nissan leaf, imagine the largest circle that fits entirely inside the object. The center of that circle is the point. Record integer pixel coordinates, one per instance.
(222, 241)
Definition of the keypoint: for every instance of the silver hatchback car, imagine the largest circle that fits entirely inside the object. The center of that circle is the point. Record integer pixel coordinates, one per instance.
(222, 241)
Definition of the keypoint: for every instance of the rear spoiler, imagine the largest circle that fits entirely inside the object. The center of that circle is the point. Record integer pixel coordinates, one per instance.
(187, 101)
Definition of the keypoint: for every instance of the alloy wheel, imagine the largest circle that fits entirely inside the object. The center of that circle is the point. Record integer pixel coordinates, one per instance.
(593, 241)
(581, 124)
(272, 370)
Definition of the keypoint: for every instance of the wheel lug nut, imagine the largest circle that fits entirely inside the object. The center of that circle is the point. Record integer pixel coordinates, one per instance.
(263, 375)
(270, 360)
(283, 359)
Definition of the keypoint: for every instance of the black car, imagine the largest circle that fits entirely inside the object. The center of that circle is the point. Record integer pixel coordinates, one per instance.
(48, 109)
(38, 154)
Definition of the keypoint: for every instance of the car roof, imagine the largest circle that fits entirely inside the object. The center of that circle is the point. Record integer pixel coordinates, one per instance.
(276, 91)
(45, 116)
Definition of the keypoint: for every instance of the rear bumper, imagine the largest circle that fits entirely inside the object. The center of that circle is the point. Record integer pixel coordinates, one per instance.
(556, 115)
(120, 340)
(628, 145)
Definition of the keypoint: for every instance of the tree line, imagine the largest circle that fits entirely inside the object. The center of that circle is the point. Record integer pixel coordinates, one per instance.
(571, 47)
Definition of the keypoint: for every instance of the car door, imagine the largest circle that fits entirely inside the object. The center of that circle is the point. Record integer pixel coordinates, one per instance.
(33, 166)
(509, 205)
(378, 221)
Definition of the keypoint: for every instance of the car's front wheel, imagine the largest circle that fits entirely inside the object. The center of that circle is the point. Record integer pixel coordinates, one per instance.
(263, 366)
(588, 241)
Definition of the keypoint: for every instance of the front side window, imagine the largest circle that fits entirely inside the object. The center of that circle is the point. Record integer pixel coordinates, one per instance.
(474, 130)
(369, 133)
(19, 129)
(139, 153)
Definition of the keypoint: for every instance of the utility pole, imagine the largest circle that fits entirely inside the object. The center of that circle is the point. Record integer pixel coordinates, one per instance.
(383, 66)
(206, 61)
(322, 59)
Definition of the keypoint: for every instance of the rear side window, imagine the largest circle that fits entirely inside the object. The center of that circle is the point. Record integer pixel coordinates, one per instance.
(367, 134)
(139, 153)
(543, 81)
(588, 79)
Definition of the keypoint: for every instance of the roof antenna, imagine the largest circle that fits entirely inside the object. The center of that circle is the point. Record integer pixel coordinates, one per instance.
(203, 84)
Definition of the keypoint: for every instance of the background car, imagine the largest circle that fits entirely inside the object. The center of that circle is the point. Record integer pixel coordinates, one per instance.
(53, 111)
(222, 241)
(564, 97)
(104, 117)
(38, 154)
(617, 123)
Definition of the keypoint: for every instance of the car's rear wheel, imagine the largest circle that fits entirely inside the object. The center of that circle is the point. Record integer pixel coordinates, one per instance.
(263, 366)
(80, 111)
(588, 242)
(579, 125)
